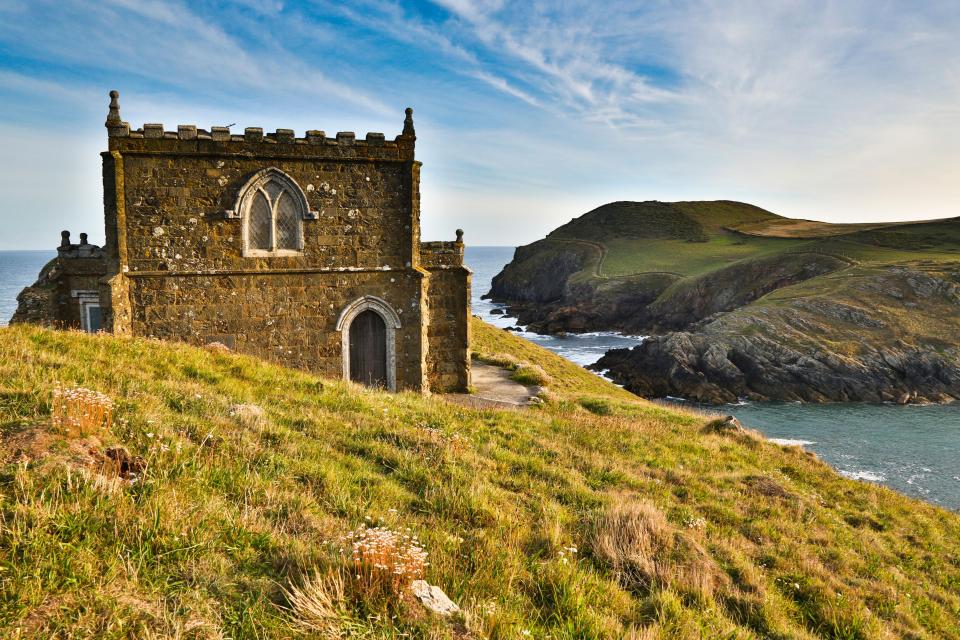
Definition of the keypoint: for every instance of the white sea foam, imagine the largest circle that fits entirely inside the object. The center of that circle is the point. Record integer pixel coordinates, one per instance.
(864, 474)
(609, 334)
(790, 442)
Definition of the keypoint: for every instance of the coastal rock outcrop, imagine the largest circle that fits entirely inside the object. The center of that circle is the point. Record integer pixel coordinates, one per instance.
(741, 303)
(812, 348)
(716, 370)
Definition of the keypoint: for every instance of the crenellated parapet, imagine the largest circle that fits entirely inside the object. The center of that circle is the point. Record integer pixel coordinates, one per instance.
(83, 250)
(442, 254)
(190, 139)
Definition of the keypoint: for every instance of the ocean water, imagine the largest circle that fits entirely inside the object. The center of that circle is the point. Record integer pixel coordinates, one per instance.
(18, 269)
(584, 348)
(913, 449)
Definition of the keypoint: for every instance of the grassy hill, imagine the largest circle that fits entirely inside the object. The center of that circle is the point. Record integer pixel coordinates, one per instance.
(226, 513)
(692, 238)
(813, 290)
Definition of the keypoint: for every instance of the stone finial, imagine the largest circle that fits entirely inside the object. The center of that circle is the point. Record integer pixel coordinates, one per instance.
(460, 236)
(64, 239)
(113, 116)
(408, 129)
(115, 126)
(83, 238)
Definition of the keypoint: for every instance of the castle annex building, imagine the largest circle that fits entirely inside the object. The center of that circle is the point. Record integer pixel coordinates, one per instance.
(303, 251)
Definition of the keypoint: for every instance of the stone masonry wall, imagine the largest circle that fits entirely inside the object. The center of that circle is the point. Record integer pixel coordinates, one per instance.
(287, 318)
(49, 301)
(448, 356)
(175, 218)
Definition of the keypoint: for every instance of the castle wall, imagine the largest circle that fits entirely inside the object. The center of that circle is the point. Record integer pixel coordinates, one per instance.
(288, 318)
(448, 331)
(181, 269)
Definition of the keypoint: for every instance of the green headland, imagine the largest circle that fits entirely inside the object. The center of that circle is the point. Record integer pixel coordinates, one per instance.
(745, 303)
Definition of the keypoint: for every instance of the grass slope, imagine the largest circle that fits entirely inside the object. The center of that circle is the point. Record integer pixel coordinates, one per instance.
(693, 238)
(682, 530)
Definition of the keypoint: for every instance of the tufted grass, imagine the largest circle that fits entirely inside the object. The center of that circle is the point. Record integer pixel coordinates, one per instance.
(678, 531)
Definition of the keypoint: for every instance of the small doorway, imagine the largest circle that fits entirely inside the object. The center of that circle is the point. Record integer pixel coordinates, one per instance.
(94, 318)
(368, 349)
(91, 315)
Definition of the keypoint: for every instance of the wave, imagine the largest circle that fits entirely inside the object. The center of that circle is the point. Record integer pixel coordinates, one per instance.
(790, 442)
(608, 334)
(865, 474)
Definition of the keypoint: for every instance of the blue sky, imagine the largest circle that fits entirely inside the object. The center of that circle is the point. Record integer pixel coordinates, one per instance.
(528, 113)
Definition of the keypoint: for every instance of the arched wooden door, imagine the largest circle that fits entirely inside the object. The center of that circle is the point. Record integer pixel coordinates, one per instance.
(368, 349)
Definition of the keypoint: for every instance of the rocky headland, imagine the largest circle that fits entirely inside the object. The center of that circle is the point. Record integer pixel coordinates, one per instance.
(741, 303)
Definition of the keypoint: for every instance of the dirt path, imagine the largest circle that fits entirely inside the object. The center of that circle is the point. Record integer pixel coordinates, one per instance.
(601, 254)
(494, 389)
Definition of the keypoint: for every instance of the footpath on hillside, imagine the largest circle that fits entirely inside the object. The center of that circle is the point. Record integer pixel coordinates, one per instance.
(493, 389)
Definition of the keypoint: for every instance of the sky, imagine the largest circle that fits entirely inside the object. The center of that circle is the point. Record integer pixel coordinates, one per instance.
(527, 113)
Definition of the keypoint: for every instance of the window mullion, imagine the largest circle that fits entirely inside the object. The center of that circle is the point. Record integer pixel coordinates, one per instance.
(273, 225)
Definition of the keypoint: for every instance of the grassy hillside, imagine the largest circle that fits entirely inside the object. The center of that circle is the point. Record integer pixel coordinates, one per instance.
(604, 518)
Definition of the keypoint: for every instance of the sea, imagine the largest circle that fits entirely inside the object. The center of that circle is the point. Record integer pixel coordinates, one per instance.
(912, 449)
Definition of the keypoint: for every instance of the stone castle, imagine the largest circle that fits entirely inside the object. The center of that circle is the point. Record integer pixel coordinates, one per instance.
(303, 251)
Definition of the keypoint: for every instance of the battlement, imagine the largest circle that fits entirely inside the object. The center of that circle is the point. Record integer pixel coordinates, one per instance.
(190, 139)
(441, 254)
(82, 250)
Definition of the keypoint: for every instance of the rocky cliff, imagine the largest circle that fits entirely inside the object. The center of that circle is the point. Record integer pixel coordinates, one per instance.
(741, 303)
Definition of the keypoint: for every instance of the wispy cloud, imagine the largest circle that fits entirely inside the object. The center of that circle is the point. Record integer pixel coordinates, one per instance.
(170, 45)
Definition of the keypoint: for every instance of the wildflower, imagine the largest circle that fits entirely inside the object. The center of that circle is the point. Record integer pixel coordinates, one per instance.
(79, 411)
(382, 557)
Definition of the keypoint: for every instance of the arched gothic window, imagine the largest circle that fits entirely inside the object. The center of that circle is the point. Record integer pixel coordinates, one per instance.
(272, 206)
